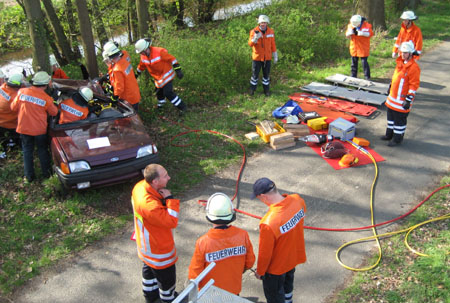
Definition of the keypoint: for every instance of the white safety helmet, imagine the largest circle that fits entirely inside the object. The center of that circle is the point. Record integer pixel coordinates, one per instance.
(2, 75)
(86, 93)
(15, 80)
(263, 18)
(408, 15)
(53, 60)
(219, 209)
(110, 48)
(41, 78)
(355, 20)
(407, 47)
(142, 44)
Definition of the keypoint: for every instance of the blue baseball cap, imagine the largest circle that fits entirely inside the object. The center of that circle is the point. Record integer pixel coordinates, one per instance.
(262, 186)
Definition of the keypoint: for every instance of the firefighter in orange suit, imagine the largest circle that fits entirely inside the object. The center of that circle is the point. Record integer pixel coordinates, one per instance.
(121, 75)
(408, 32)
(155, 217)
(8, 118)
(76, 108)
(404, 85)
(264, 51)
(228, 246)
(359, 31)
(57, 72)
(281, 241)
(163, 67)
(33, 106)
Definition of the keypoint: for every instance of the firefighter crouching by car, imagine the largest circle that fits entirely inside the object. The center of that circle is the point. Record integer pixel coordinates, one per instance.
(8, 118)
(121, 75)
(33, 104)
(155, 217)
(228, 246)
(162, 66)
(57, 72)
(76, 108)
(404, 85)
(264, 51)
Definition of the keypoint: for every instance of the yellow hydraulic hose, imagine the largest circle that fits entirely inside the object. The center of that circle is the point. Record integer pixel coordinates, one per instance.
(376, 236)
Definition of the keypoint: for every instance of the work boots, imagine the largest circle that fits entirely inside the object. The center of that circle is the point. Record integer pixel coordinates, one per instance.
(266, 90)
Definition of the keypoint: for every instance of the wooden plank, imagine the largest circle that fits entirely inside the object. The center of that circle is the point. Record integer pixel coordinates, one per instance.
(281, 146)
(287, 136)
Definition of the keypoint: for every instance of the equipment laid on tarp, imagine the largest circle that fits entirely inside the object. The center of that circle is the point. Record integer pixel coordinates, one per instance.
(368, 85)
(342, 128)
(289, 108)
(344, 93)
(305, 116)
(336, 104)
(363, 159)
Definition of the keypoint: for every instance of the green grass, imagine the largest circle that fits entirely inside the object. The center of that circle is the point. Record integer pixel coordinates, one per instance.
(40, 223)
(403, 276)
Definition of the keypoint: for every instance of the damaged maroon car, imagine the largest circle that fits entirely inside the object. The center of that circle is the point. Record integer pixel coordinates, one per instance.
(110, 146)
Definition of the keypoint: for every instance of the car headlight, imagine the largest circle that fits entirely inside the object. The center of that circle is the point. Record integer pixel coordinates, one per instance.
(79, 166)
(145, 151)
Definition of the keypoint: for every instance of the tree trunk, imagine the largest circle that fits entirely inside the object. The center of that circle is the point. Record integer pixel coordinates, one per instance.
(143, 17)
(60, 36)
(36, 24)
(133, 31)
(373, 10)
(72, 30)
(98, 23)
(87, 37)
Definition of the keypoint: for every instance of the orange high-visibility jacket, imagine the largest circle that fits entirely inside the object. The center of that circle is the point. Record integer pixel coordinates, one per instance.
(33, 104)
(360, 45)
(159, 65)
(232, 252)
(153, 224)
(405, 81)
(263, 49)
(59, 74)
(70, 111)
(124, 82)
(413, 33)
(8, 118)
(281, 240)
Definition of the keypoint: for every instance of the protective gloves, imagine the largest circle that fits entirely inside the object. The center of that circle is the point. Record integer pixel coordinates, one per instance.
(256, 36)
(355, 31)
(416, 53)
(179, 73)
(407, 103)
(362, 33)
(394, 55)
(137, 73)
(275, 57)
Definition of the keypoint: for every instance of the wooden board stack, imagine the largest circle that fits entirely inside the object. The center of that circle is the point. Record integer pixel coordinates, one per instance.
(283, 140)
(298, 130)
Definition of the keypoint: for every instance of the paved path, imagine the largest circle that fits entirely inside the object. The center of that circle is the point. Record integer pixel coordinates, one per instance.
(110, 271)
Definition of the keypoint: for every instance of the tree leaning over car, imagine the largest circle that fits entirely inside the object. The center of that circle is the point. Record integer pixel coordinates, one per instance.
(87, 37)
(36, 24)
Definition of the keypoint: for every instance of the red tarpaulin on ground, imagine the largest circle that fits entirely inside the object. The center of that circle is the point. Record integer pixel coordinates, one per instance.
(306, 99)
(363, 158)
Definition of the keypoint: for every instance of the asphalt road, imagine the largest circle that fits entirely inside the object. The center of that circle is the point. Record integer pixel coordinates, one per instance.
(111, 271)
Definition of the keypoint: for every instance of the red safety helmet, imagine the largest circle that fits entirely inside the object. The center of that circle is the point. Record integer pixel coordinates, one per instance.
(333, 150)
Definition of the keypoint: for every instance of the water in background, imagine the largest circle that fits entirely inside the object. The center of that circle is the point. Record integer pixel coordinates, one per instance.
(19, 61)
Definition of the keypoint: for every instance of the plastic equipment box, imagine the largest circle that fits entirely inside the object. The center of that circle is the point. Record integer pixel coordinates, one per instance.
(342, 128)
(266, 137)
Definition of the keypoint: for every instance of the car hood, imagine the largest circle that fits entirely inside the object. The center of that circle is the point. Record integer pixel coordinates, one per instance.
(104, 139)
